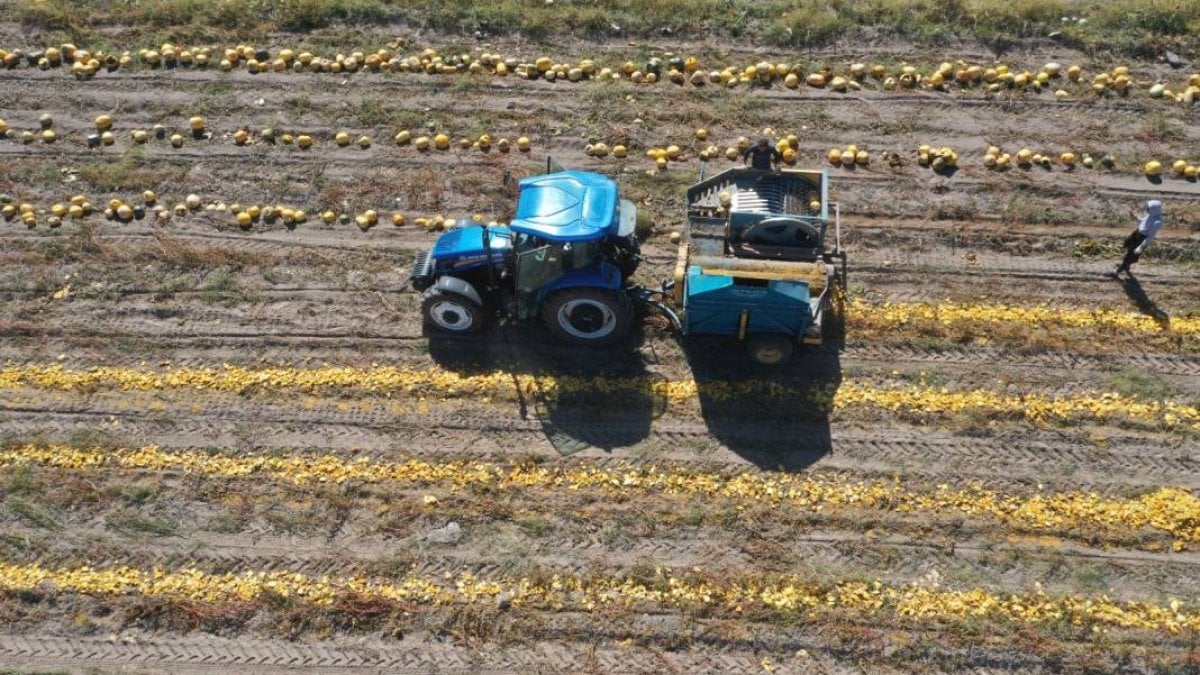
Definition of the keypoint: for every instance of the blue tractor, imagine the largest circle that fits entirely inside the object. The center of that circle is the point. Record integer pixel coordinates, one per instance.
(566, 258)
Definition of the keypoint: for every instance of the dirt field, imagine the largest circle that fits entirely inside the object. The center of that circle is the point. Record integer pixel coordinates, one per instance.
(1011, 490)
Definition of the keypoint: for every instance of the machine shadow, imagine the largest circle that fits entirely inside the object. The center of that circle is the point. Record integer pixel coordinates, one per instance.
(605, 397)
(782, 430)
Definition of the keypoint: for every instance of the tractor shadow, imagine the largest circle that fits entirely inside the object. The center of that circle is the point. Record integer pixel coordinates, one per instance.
(576, 418)
(787, 430)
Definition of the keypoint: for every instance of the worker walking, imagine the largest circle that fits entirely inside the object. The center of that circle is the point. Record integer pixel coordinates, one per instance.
(1139, 240)
(762, 156)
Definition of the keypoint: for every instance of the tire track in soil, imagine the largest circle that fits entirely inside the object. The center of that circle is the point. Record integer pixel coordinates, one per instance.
(933, 261)
(925, 264)
(410, 237)
(1036, 459)
(196, 348)
(210, 654)
(420, 655)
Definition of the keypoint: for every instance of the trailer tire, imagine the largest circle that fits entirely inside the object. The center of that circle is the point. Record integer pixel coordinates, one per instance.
(770, 349)
(451, 313)
(588, 316)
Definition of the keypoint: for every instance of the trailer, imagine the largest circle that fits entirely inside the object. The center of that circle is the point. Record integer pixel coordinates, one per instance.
(753, 264)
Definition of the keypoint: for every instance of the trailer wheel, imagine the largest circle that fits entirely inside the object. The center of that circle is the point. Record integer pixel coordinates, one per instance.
(770, 349)
(451, 312)
(588, 316)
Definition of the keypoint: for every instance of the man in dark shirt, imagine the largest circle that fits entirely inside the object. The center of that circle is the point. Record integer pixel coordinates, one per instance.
(764, 157)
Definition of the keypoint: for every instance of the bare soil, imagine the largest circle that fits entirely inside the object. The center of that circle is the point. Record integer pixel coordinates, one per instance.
(198, 292)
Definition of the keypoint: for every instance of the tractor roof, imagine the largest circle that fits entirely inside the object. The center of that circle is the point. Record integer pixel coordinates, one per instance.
(566, 206)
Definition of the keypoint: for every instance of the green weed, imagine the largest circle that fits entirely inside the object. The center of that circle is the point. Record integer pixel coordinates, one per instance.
(220, 286)
(135, 523)
(1146, 386)
(33, 513)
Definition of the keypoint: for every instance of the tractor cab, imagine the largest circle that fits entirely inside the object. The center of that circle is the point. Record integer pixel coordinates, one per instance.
(565, 257)
(563, 224)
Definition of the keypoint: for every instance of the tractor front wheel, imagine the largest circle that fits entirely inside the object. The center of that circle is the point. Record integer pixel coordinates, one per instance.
(588, 316)
(451, 312)
(769, 349)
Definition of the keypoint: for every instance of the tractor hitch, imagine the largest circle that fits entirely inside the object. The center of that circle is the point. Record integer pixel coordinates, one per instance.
(654, 300)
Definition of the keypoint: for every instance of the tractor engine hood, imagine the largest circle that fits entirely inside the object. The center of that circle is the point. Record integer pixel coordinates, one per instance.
(467, 242)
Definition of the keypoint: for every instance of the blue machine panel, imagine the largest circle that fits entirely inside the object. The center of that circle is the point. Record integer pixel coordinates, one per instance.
(714, 304)
(465, 242)
(567, 206)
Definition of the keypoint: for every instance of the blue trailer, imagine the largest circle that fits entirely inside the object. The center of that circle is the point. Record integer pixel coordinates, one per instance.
(754, 264)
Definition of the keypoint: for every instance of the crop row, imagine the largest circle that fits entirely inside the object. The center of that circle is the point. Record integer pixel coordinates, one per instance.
(198, 130)
(398, 382)
(619, 148)
(1169, 510)
(752, 595)
(995, 78)
(890, 315)
(80, 208)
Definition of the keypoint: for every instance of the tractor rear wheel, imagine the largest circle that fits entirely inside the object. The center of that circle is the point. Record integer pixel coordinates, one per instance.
(770, 349)
(588, 316)
(451, 312)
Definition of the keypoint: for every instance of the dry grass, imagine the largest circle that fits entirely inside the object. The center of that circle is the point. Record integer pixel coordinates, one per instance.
(179, 254)
(1136, 27)
(131, 174)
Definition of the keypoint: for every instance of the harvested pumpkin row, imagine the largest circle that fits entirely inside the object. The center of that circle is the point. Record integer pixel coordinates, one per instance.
(696, 590)
(406, 383)
(891, 315)
(1166, 510)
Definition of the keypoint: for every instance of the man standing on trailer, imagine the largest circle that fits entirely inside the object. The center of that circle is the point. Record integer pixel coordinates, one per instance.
(1139, 240)
(762, 156)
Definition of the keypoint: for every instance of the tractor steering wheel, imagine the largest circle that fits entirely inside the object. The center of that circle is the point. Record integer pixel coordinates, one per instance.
(782, 232)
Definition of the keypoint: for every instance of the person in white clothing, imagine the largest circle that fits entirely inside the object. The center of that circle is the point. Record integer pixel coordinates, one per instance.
(1139, 240)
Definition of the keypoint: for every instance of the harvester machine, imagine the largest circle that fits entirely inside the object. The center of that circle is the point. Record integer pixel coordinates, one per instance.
(756, 263)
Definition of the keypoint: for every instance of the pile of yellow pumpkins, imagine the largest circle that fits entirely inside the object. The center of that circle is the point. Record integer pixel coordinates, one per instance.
(1180, 168)
(998, 160)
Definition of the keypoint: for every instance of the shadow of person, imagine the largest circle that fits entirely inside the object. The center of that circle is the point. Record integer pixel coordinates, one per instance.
(775, 417)
(1135, 292)
(584, 397)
